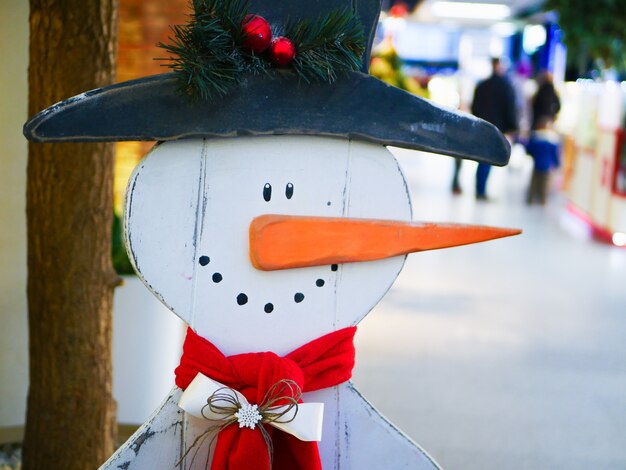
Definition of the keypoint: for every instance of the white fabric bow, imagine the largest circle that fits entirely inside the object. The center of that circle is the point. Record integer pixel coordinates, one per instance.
(303, 421)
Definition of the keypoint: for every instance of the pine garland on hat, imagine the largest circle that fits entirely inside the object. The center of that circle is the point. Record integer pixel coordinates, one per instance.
(215, 50)
(326, 47)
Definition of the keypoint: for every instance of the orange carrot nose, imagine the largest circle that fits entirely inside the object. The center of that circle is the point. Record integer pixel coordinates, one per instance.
(283, 242)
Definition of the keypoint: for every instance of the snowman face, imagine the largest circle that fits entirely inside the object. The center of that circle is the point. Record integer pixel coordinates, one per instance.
(189, 208)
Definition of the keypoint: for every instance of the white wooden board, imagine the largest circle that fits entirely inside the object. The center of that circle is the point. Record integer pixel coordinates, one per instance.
(189, 207)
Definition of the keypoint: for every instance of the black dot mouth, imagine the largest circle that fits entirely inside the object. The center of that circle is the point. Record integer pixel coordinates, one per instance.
(298, 297)
(204, 260)
(217, 277)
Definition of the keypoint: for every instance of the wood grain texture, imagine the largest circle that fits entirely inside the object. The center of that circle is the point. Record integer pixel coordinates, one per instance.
(364, 438)
(70, 275)
(356, 106)
(192, 199)
(189, 207)
(287, 242)
(157, 443)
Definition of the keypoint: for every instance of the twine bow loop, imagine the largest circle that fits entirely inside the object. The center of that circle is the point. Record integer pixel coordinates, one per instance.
(208, 399)
(279, 405)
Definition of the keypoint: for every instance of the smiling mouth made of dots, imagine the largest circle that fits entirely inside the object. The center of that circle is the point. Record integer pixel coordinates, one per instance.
(242, 298)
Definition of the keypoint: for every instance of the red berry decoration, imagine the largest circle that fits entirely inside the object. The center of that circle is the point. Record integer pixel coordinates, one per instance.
(257, 33)
(282, 51)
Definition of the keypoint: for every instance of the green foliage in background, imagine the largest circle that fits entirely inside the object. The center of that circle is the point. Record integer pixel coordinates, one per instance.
(386, 65)
(121, 263)
(593, 29)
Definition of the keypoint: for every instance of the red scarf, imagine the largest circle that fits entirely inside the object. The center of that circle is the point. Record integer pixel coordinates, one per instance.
(322, 363)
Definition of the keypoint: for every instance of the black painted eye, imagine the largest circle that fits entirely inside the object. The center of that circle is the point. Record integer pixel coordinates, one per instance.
(289, 190)
(267, 192)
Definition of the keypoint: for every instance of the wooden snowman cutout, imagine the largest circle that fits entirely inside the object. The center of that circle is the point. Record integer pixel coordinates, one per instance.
(268, 241)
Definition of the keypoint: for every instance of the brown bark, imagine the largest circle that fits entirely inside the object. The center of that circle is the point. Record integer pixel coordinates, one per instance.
(71, 412)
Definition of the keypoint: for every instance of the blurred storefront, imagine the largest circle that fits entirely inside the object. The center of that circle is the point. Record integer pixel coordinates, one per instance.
(455, 39)
(593, 125)
(446, 47)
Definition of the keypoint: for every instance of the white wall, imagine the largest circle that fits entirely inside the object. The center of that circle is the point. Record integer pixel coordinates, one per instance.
(13, 153)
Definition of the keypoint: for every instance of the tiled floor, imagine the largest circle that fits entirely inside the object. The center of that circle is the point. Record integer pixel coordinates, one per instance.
(506, 355)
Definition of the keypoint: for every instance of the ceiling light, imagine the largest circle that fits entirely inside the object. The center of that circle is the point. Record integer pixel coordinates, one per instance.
(534, 37)
(470, 10)
(504, 29)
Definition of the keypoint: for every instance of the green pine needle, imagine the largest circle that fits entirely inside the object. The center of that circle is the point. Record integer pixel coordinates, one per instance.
(332, 44)
(207, 56)
(204, 50)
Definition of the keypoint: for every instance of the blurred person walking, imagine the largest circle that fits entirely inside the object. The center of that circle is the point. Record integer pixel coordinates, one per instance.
(543, 146)
(494, 101)
(545, 102)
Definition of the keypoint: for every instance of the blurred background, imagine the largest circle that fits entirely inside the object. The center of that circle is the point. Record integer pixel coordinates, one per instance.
(508, 355)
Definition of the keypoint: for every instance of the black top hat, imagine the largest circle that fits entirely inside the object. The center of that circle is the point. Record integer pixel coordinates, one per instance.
(356, 105)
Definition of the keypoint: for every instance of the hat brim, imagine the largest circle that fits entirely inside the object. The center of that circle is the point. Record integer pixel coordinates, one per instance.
(356, 106)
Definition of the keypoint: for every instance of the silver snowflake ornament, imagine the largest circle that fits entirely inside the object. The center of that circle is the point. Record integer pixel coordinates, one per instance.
(248, 416)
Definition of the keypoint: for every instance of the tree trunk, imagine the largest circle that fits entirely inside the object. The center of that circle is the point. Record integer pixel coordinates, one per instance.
(71, 413)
